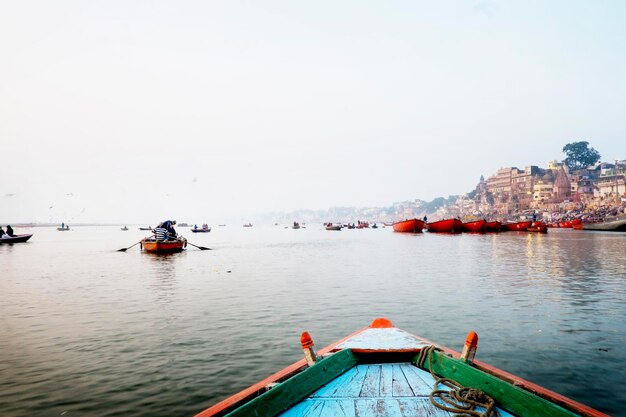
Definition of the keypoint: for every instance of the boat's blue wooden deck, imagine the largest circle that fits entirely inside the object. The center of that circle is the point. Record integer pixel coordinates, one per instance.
(376, 390)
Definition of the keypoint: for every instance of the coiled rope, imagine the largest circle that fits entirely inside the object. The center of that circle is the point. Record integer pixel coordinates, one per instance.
(460, 400)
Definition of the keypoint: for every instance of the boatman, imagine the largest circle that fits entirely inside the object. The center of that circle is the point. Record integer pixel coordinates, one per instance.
(169, 226)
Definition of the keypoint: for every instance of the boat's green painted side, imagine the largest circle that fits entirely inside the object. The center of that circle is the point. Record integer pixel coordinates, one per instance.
(508, 396)
(293, 390)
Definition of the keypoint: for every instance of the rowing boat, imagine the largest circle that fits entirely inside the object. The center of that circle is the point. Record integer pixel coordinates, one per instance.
(382, 370)
(494, 226)
(515, 227)
(538, 227)
(151, 245)
(615, 224)
(446, 226)
(477, 226)
(409, 226)
(16, 238)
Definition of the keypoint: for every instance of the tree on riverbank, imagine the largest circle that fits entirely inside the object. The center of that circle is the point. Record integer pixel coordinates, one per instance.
(579, 155)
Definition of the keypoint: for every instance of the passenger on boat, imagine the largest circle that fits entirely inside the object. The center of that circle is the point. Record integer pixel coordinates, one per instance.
(1, 232)
(425, 219)
(10, 230)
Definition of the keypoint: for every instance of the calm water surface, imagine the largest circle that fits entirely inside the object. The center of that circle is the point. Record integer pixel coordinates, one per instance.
(89, 331)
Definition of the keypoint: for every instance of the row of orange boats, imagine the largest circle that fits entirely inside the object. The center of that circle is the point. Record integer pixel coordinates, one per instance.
(457, 226)
(568, 224)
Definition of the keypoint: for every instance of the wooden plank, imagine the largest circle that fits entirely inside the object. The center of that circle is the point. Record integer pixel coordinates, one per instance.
(348, 385)
(421, 381)
(386, 380)
(297, 387)
(366, 408)
(371, 383)
(507, 396)
(412, 407)
(401, 386)
(337, 408)
(331, 387)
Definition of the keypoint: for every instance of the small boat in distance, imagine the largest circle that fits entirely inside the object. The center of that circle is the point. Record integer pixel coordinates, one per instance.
(330, 226)
(204, 229)
(477, 226)
(382, 370)
(15, 238)
(247, 225)
(124, 228)
(446, 226)
(145, 228)
(63, 228)
(516, 227)
(409, 226)
(296, 225)
(151, 245)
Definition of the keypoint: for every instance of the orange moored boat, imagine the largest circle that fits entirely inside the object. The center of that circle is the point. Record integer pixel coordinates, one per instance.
(516, 227)
(446, 226)
(475, 227)
(493, 226)
(409, 226)
(538, 227)
(152, 245)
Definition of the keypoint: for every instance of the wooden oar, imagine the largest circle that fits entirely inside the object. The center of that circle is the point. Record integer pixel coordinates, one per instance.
(125, 249)
(199, 247)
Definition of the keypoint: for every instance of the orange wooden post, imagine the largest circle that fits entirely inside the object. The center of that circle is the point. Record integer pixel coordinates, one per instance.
(469, 350)
(307, 347)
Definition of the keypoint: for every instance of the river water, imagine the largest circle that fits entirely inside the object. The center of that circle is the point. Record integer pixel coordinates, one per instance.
(86, 330)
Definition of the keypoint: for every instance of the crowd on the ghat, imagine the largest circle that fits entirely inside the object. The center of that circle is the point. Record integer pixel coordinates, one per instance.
(589, 214)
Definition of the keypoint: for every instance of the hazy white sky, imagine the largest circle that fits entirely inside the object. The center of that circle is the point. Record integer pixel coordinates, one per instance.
(136, 111)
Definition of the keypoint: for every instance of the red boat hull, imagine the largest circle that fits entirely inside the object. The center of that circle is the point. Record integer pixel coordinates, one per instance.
(409, 226)
(516, 227)
(166, 246)
(446, 226)
(493, 226)
(475, 227)
(538, 227)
